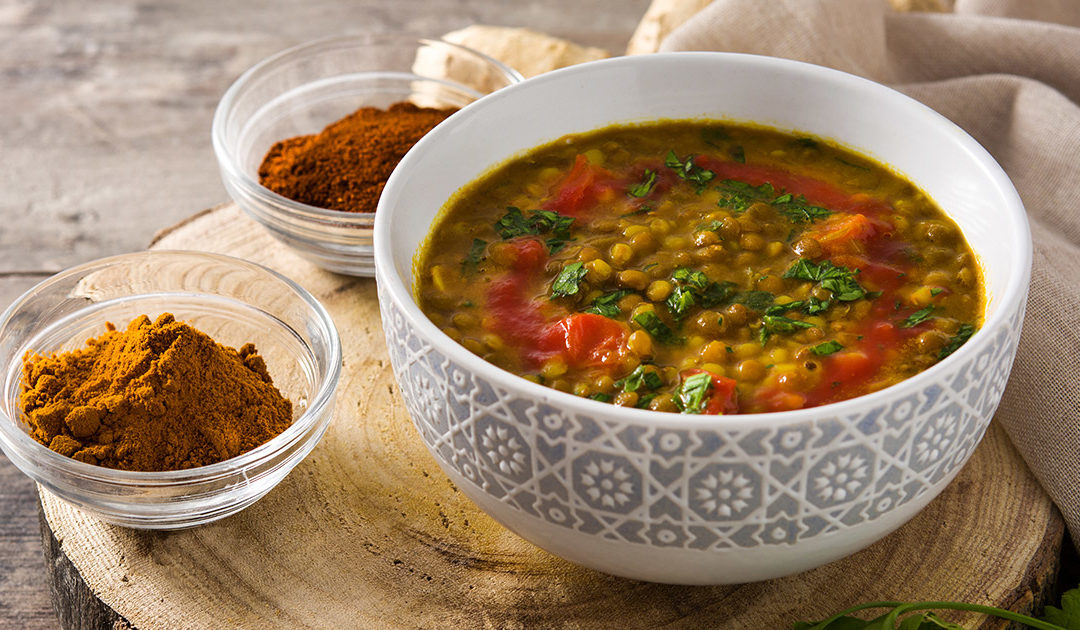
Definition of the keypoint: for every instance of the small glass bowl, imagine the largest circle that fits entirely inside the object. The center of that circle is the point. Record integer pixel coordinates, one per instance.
(233, 301)
(301, 90)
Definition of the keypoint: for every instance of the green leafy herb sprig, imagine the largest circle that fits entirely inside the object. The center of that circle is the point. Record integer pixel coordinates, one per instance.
(694, 287)
(514, 223)
(686, 169)
(608, 303)
(738, 196)
(798, 210)
(838, 280)
(692, 393)
(920, 616)
(568, 282)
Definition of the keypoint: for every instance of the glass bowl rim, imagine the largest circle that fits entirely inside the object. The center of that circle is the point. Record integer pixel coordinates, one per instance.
(12, 436)
(228, 160)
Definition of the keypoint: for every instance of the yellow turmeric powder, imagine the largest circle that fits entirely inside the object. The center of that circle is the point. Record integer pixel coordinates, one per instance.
(157, 396)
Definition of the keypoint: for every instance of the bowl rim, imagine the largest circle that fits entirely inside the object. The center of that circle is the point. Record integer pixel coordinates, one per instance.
(12, 436)
(401, 295)
(228, 160)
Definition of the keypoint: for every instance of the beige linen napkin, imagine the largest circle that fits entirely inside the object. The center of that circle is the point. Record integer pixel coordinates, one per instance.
(1013, 84)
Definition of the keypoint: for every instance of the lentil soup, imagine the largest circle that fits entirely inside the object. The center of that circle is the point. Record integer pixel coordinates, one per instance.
(700, 267)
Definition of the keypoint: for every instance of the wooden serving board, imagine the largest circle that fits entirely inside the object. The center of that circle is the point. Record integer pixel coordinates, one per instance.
(368, 532)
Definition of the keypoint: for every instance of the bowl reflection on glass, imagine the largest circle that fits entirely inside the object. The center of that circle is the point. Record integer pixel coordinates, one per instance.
(701, 499)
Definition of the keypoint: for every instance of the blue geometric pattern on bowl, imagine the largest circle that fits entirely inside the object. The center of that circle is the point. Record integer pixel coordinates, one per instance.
(698, 489)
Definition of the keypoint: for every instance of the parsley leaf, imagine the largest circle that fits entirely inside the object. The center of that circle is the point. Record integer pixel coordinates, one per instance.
(644, 401)
(738, 195)
(694, 287)
(713, 137)
(935, 291)
(640, 377)
(1068, 616)
(645, 186)
(642, 209)
(475, 255)
(608, 303)
(514, 223)
(601, 396)
(839, 280)
(917, 317)
(653, 325)
(960, 338)
(691, 395)
(680, 301)
(738, 154)
(827, 348)
(772, 324)
(797, 210)
(568, 282)
(755, 300)
(686, 169)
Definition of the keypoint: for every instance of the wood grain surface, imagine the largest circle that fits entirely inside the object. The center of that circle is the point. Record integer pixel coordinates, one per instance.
(106, 140)
(368, 532)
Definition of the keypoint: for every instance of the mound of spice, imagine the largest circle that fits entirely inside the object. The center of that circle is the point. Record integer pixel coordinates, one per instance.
(345, 166)
(157, 396)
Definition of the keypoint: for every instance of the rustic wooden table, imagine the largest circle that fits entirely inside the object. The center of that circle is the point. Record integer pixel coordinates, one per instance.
(106, 139)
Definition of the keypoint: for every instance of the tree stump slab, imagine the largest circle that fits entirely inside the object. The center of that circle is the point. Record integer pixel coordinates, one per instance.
(368, 532)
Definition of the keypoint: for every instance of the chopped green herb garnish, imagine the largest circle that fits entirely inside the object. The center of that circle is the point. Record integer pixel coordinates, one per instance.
(936, 291)
(568, 282)
(738, 154)
(644, 401)
(960, 338)
(640, 377)
(686, 169)
(773, 324)
(811, 306)
(797, 210)
(680, 301)
(755, 300)
(468, 304)
(839, 280)
(475, 255)
(645, 186)
(691, 395)
(601, 396)
(514, 224)
(713, 137)
(738, 196)
(711, 226)
(642, 209)
(694, 287)
(649, 266)
(827, 348)
(608, 303)
(917, 317)
(653, 325)
(692, 277)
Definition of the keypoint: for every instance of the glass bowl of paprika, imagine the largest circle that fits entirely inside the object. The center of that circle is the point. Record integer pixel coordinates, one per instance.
(165, 389)
(306, 138)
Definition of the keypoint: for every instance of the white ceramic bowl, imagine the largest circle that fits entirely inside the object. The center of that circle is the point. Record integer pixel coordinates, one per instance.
(700, 499)
(232, 300)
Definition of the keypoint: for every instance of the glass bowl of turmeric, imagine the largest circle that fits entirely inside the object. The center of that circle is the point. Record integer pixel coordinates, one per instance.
(165, 389)
(306, 138)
